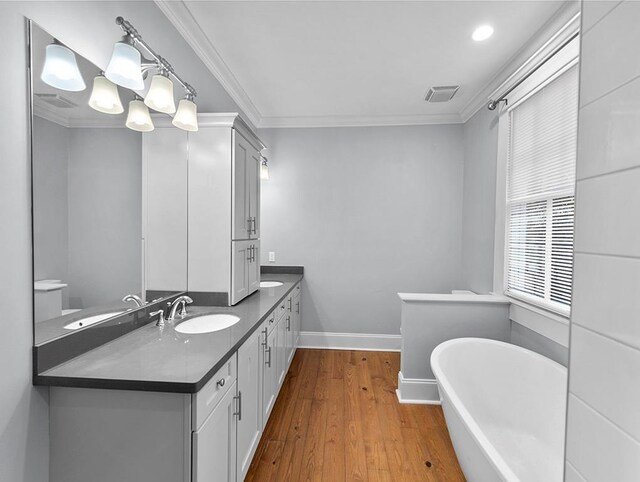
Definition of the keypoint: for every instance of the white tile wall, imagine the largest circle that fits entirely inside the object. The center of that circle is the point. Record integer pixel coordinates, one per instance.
(609, 51)
(609, 127)
(616, 280)
(608, 214)
(596, 11)
(606, 374)
(599, 450)
(603, 422)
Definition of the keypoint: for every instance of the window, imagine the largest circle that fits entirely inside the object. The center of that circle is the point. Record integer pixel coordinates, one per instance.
(540, 193)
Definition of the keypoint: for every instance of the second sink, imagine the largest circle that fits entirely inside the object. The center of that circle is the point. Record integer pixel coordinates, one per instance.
(207, 324)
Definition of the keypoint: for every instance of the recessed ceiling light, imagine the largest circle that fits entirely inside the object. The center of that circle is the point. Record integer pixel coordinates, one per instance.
(483, 32)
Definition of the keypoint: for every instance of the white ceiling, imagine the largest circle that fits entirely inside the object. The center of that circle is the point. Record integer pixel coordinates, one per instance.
(355, 62)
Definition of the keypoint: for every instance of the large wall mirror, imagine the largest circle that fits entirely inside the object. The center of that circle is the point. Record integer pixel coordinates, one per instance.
(88, 201)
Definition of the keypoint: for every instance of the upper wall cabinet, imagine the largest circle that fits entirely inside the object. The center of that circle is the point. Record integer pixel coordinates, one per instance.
(246, 188)
(221, 162)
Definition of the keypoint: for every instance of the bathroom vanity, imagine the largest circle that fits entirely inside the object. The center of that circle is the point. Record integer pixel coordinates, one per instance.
(157, 405)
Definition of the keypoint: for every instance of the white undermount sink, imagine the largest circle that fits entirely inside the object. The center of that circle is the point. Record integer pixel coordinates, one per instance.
(207, 324)
(270, 284)
(90, 320)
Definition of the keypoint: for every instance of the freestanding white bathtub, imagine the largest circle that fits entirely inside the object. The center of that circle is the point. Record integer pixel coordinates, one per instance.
(505, 409)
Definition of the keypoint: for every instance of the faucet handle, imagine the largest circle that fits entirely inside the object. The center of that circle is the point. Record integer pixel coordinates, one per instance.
(185, 300)
(161, 319)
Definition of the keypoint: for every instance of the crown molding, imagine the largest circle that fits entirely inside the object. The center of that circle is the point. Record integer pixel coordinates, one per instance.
(563, 23)
(182, 19)
(45, 111)
(357, 121)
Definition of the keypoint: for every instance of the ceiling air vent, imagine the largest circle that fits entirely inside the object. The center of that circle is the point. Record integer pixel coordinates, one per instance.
(57, 100)
(443, 93)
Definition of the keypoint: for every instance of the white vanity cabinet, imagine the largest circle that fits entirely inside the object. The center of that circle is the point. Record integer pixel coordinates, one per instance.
(250, 380)
(214, 443)
(210, 436)
(246, 188)
(220, 164)
(297, 315)
(269, 373)
(245, 269)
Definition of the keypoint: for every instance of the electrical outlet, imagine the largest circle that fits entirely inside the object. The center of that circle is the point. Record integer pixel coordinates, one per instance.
(272, 256)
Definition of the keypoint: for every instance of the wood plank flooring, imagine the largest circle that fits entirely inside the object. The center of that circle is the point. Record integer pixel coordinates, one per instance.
(337, 419)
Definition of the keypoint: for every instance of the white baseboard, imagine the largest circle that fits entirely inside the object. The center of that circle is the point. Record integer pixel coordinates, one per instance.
(414, 390)
(349, 341)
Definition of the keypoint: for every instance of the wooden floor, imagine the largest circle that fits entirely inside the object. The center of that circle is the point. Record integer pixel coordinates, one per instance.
(337, 418)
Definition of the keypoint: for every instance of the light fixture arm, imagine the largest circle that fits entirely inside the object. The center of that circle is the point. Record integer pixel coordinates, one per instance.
(157, 61)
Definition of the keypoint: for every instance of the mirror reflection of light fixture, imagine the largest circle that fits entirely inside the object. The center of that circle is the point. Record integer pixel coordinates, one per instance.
(125, 66)
(264, 169)
(104, 96)
(61, 68)
(138, 118)
(186, 117)
(160, 95)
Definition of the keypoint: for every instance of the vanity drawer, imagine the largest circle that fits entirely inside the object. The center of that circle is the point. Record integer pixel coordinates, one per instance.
(281, 309)
(270, 321)
(206, 399)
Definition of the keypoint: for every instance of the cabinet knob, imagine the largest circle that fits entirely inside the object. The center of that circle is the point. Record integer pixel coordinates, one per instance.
(220, 382)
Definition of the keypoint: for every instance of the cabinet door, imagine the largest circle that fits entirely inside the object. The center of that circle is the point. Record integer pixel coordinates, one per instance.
(253, 188)
(250, 374)
(269, 378)
(254, 267)
(241, 255)
(242, 223)
(281, 361)
(289, 330)
(214, 445)
(297, 317)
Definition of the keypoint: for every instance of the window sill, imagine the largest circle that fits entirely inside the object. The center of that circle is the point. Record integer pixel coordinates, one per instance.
(544, 322)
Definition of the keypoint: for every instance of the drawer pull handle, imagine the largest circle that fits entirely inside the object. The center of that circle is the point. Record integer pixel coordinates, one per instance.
(264, 343)
(220, 382)
(298, 307)
(288, 323)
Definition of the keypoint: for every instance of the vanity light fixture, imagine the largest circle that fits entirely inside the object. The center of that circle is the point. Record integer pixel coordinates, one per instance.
(104, 96)
(483, 32)
(61, 68)
(186, 117)
(264, 169)
(129, 68)
(138, 118)
(160, 95)
(125, 66)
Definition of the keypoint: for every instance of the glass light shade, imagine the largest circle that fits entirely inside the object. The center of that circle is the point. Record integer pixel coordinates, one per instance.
(138, 118)
(160, 95)
(186, 117)
(104, 96)
(264, 171)
(124, 67)
(61, 69)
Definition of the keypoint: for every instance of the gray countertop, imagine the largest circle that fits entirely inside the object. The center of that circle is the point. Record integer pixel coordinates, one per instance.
(154, 359)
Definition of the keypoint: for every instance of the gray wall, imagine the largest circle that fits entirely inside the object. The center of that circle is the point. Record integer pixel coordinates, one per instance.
(522, 336)
(50, 174)
(105, 215)
(89, 28)
(479, 200)
(369, 212)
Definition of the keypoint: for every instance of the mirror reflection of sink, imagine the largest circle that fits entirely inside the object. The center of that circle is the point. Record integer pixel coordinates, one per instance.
(270, 284)
(90, 320)
(207, 324)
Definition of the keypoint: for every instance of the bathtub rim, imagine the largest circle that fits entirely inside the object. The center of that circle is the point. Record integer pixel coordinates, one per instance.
(496, 460)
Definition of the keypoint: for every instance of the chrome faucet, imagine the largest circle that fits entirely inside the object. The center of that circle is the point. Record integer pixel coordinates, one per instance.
(135, 298)
(180, 302)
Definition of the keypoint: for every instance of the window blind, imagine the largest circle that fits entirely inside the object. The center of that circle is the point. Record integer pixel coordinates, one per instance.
(540, 193)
